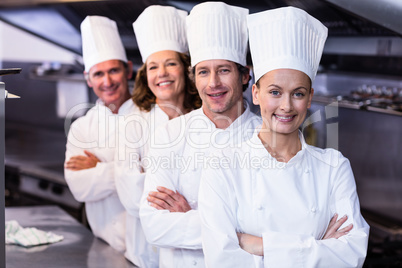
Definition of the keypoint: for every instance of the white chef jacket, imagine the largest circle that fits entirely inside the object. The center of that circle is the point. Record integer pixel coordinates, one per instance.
(96, 132)
(289, 205)
(133, 143)
(176, 157)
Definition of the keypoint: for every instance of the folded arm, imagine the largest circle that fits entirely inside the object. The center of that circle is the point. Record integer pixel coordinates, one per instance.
(88, 178)
(166, 218)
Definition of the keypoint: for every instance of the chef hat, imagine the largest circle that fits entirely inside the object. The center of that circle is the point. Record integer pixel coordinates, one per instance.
(100, 41)
(160, 28)
(216, 30)
(285, 38)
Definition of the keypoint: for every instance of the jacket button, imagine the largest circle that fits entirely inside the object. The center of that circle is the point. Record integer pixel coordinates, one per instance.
(313, 209)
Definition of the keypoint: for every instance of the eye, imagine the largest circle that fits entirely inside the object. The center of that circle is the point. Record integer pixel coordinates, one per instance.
(202, 72)
(224, 70)
(172, 63)
(97, 74)
(114, 71)
(275, 92)
(299, 94)
(153, 67)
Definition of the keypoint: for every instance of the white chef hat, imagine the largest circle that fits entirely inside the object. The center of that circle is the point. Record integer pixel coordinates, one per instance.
(216, 30)
(160, 28)
(100, 41)
(285, 38)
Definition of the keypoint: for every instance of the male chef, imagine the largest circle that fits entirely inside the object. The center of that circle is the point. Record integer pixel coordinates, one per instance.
(91, 139)
(217, 38)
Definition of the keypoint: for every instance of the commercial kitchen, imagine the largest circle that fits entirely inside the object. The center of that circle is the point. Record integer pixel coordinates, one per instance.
(357, 109)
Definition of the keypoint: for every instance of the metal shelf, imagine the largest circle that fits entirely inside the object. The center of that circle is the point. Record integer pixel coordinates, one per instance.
(343, 104)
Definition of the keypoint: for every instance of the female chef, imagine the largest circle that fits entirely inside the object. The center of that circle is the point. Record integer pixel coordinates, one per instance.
(269, 202)
(162, 91)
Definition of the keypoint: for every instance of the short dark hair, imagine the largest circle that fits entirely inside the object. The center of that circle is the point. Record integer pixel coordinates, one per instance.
(243, 70)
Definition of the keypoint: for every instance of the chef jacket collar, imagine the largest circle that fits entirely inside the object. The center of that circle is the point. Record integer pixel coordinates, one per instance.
(159, 112)
(124, 108)
(260, 150)
(238, 123)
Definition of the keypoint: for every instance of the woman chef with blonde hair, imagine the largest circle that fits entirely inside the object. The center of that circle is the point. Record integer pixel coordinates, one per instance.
(162, 91)
(270, 205)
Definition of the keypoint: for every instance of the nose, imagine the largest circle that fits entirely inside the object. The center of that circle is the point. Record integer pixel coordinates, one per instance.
(107, 80)
(286, 104)
(162, 71)
(214, 80)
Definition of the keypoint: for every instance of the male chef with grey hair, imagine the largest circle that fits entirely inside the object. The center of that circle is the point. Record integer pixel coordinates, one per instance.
(91, 142)
(217, 38)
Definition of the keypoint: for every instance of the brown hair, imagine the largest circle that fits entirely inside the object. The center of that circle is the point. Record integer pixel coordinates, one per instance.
(144, 98)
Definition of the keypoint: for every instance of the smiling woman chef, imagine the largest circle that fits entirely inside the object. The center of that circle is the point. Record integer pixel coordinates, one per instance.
(276, 213)
(163, 90)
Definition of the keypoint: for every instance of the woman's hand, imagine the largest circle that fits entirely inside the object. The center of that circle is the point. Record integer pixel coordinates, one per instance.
(80, 162)
(250, 243)
(165, 198)
(334, 225)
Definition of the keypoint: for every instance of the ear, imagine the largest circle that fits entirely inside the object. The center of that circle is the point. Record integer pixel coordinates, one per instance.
(129, 69)
(86, 75)
(310, 98)
(255, 93)
(245, 77)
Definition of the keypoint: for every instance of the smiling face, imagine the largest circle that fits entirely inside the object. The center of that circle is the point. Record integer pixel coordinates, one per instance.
(109, 81)
(219, 84)
(165, 76)
(284, 95)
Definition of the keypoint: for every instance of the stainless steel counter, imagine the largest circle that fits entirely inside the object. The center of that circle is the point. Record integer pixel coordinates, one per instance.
(79, 248)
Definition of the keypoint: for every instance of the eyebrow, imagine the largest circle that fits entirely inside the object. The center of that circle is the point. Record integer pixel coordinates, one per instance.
(153, 62)
(218, 66)
(274, 85)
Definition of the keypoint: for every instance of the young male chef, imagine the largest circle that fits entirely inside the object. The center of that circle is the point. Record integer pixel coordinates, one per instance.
(217, 38)
(91, 139)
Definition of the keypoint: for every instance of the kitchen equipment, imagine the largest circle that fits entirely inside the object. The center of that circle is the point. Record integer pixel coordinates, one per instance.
(2, 170)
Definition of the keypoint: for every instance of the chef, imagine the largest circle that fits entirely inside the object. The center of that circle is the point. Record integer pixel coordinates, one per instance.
(163, 90)
(271, 204)
(217, 37)
(89, 164)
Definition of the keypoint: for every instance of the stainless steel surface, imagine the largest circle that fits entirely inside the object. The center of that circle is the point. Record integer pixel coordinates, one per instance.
(385, 12)
(26, 15)
(370, 139)
(38, 155)
(369, 46)
(78, 249)
(2, 171)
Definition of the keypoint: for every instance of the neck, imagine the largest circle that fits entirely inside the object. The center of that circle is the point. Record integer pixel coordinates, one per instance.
(281, 146)
(114, 107)
(173, 108)
(225, 119)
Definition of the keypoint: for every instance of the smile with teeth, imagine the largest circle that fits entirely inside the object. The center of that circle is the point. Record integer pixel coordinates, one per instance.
(217, 94)
(161, 84)
(284, 118)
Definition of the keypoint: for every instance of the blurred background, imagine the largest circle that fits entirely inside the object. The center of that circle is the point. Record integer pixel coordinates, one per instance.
(357, 106)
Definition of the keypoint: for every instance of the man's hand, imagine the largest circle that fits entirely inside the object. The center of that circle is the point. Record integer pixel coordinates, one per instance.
(80, 162)
(334, 225)
(252, 244)
(167, 199)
